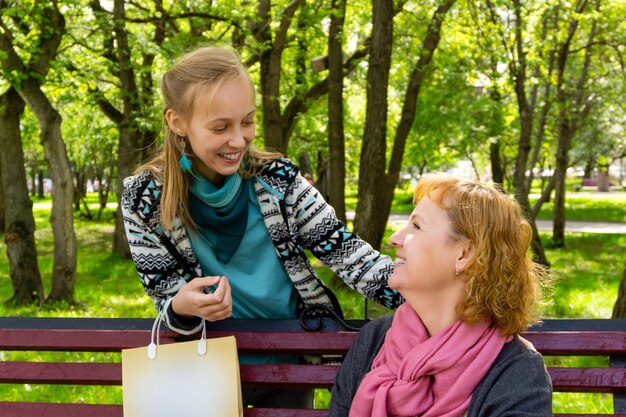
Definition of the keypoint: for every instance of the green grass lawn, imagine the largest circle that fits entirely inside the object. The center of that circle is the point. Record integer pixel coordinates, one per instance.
(587, 273)
(589, 207)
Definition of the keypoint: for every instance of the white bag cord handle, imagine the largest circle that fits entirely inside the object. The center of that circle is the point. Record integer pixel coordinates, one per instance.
(156, 330)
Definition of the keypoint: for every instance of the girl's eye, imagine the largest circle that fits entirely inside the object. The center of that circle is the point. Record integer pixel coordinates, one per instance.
(219, 129)
(416, 226)
(247, 122)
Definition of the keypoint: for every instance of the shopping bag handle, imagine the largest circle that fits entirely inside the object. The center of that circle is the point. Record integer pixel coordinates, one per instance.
(156, 330)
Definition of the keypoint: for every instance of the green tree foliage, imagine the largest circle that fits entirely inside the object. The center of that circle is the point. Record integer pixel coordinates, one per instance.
(490, 90)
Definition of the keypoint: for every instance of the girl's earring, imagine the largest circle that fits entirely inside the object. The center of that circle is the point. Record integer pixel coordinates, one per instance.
(456, 271)
(185, 162)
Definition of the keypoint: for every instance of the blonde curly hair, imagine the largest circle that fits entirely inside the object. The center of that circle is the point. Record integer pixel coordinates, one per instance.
(502, 282)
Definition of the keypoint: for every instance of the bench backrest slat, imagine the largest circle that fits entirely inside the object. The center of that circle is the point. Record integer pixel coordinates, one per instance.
(116, 340)
(548, 343)
(588, 379)
(578, 343)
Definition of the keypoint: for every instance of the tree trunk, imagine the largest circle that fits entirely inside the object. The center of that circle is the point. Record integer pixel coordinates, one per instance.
(133, 139)
(518, 76)
(496, 162)
(321, 182)
(33, 182)
(336, 139)
(79, 189)
(376, 183)
(103, 191)
(127, 158)
(2, 206)
(270, 60)
(29, 88)
(61, 218)
(560, 172)
(619, 310)
(304, 162)
(547, 99)
(545, 196)
(370, 210)
(20, 223)
(571, 113)
(40, 184)
(517, 70)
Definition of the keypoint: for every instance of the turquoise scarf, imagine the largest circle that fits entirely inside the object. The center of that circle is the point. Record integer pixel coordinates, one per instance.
(220, 214)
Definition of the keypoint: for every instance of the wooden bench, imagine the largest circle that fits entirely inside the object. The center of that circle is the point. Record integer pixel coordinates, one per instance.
(554, 337)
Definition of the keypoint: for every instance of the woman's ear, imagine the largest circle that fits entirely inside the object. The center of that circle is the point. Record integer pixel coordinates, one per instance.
(465, 254)
(175, 123)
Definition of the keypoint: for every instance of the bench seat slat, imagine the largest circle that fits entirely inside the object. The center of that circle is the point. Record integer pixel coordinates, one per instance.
(115, 341)
(309, 376)
(578, 343)
(70, 373)
(20, 409)
(283, 412)
(62, 373)
(17, 409)
(296, 376)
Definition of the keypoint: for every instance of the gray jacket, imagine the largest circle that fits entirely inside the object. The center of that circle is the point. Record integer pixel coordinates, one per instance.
(516, 385)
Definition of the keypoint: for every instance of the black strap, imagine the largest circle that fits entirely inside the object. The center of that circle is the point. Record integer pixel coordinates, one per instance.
(311, 318)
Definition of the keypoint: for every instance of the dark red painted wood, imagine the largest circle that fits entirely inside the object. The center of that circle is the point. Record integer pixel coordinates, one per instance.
(578, 343)
(115, 340)
(284, 412)
(15, 409)
(612, 380)
(588, 379)
(299, 376)
(305, 376)
(60, 373)
(549, 343)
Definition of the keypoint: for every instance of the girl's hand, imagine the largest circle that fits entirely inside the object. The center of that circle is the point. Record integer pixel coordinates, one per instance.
(192, 301)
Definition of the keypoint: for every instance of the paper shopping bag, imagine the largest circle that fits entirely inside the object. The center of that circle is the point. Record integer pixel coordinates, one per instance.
(186, 379)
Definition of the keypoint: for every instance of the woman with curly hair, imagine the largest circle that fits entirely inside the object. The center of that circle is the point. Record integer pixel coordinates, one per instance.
(471, 286)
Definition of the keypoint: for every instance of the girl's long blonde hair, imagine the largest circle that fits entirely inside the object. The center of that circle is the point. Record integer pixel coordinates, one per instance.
(202, 71)
(502, 282)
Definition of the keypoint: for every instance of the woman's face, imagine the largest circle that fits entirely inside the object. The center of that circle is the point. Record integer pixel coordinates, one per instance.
(221, 129)
(426, 255)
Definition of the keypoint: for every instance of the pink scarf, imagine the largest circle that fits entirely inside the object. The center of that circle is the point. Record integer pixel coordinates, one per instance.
(414, 375)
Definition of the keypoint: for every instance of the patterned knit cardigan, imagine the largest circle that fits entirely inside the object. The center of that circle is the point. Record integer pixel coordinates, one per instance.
(296, 217)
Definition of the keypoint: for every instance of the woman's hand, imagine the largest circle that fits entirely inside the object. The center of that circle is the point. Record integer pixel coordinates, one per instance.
(191, 300)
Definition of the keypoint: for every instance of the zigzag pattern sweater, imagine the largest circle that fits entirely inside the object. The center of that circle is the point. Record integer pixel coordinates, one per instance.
(296, 217)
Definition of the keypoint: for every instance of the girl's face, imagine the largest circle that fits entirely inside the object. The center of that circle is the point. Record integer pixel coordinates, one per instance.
(426, 255)
(220, 130)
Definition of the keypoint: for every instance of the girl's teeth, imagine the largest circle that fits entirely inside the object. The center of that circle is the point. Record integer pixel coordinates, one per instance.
(230, 156)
